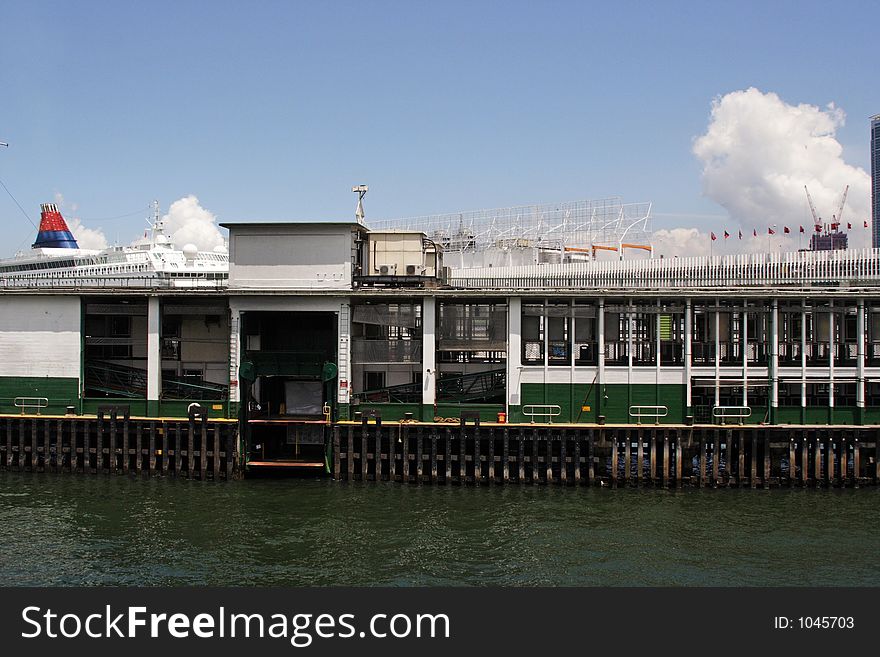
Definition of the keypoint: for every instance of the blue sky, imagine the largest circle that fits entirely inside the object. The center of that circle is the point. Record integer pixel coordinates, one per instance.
(272, 110)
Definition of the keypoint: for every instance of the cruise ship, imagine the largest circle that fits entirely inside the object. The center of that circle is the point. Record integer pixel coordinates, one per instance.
(55, 260)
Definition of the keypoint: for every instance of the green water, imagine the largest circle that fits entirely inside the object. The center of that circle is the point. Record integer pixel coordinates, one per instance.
(80, 530)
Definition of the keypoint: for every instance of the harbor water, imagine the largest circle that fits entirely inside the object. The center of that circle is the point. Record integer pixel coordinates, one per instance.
(64, 530)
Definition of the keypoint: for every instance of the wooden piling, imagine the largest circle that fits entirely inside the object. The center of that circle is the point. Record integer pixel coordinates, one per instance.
(577, 459)
(716, 452)
(462, 451)
(614, 457)
(349, 460)
(534, 461)
(857, 461)
(741, 459)
(447, 456)
(753, 459)
(766, 460)
(203, 449)
(505, 457)
(665, 477)
(405, 455)
(377, 454)
(365, 438)
(434, 456)
(678, 482)
(591, 467)
(702, 459)
(805, 458)
(652, 456)
(817, 458)
(420, 458)
(640, 458)
(337, 461)
(392, 452)
(490, 472)
(520, 455)
(844, 448)
(216, 458)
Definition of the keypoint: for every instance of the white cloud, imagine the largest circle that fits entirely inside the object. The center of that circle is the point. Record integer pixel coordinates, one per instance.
(758, 152)
(187, 222)
(86, 238)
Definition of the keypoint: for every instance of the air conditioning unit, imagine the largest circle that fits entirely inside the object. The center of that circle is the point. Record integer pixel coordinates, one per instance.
(387, 270)
(410, 270)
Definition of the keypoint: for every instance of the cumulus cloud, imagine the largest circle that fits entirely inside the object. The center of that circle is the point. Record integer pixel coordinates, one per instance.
(86, 238)
(187, 222)
(758, 152)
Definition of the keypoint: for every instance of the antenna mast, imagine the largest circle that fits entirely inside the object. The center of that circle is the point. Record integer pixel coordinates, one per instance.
(361, 191)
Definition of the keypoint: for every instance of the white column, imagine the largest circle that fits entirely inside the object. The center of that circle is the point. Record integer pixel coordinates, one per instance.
(688, 335)
(744, 338)
(718, 352)
(234, 353)
(774, 355)
(429, 351)
(514, 351)
(804, 352)
(831, 354)
(601, 345)
(154, 350)
(343, 354)
(860, 354)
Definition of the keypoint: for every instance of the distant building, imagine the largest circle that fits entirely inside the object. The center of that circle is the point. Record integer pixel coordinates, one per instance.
(829, 241)
(875, 181)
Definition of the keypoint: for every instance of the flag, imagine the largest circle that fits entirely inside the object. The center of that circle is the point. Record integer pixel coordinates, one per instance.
(754, 232)
(818, 228)
(726, 234)
(802, 229)
(834, 226)
(741, 233)
(770, 231)
(848, 226)
(786, 230)
(713, 236)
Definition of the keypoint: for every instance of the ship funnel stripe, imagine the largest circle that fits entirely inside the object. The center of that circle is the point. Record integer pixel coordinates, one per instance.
(54, 232)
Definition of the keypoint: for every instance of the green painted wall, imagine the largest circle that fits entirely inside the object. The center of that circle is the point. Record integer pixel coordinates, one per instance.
(844, 415)
(390, 412)
(61, 393)
(174, 408)
(612, 401)
(488, 412)
(136, 406)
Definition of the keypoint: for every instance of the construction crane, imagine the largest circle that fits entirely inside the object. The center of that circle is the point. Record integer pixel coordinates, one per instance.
(816, 219)
(839, 215)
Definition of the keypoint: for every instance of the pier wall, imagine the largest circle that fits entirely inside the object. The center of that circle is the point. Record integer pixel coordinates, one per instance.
(195, 449)
(651, 456)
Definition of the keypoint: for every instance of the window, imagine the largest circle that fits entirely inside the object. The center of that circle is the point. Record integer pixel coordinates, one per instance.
(374, 380)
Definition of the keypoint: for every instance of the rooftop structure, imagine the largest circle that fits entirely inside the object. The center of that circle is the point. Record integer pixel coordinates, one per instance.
(875, 180)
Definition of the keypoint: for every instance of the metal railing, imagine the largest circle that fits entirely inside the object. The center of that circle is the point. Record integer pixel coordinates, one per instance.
(731, 412)
(655, 412)
(541, 410)
(25, 403)
(742, 270)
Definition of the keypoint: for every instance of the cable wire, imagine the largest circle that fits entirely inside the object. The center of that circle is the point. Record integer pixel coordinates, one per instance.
(18, 204)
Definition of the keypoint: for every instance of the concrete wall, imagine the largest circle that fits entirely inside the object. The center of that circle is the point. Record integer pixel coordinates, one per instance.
(287, 256)
(40, 336)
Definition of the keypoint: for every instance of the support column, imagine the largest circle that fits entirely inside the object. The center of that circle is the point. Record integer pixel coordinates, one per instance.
(718, 353)
(831, 361)
(514, 355)
(744, 339)
(234, 360)
(804, 361)
(429, 358)
(774, 361)
(860, 362)
(688, 336)
(343, 361)
(154, 355)
(600, 373)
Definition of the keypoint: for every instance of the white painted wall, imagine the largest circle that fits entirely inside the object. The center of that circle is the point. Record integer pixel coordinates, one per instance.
(40, 336)
(289, 256)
